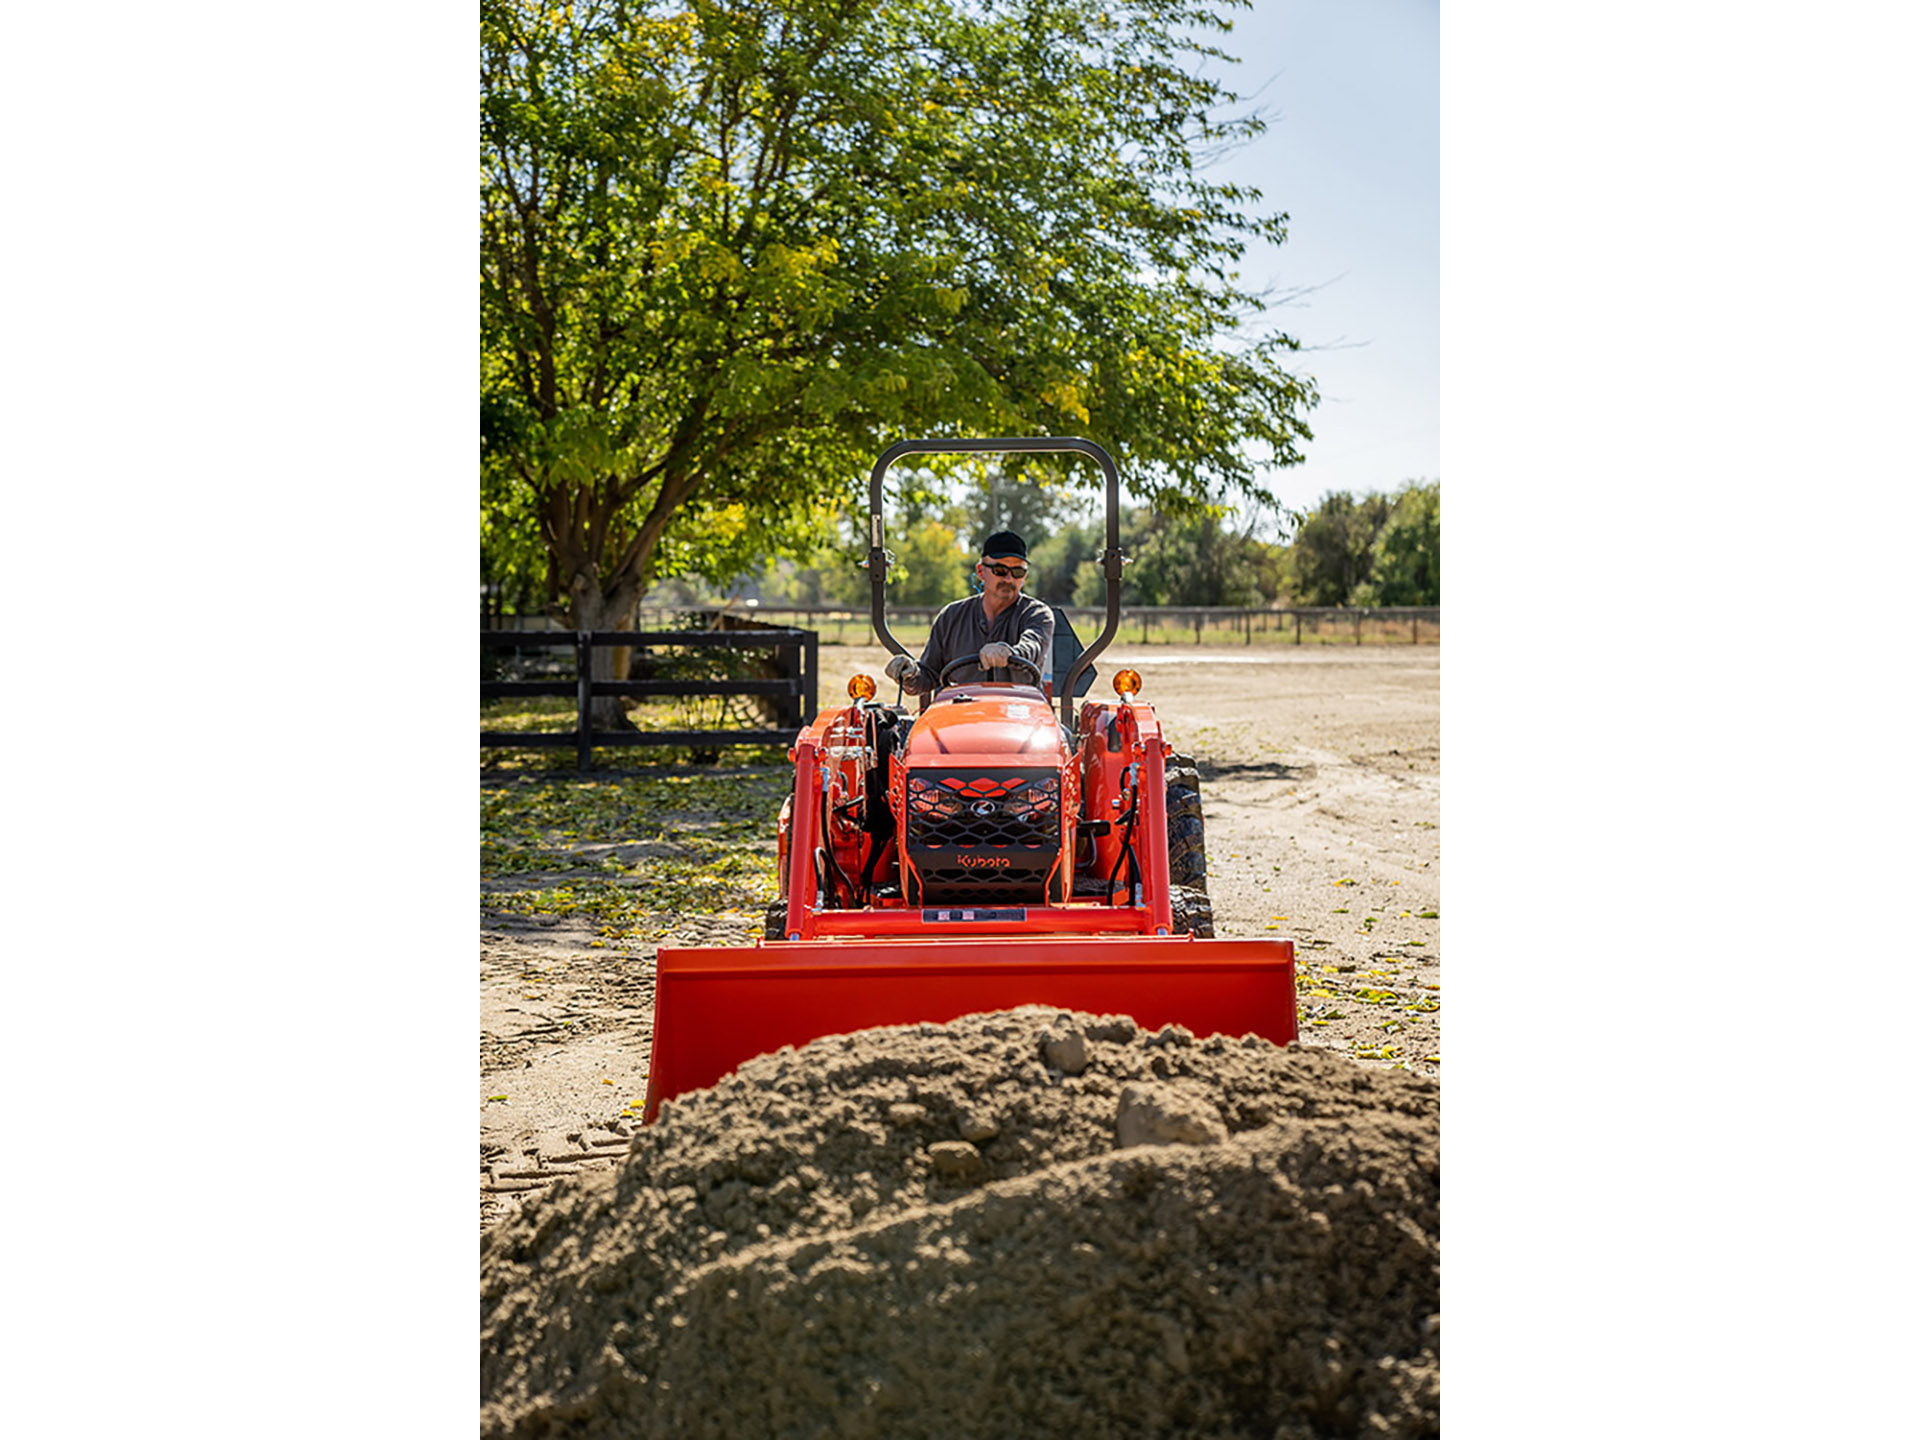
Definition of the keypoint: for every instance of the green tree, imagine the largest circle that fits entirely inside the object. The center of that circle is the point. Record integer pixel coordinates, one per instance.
(1185, 559)
(1406, 567)
(1333, 546)
(730, 249)
(932, 560)
(1197, 560)
(1031, 505)
(513, 562)
(825, 573)
(1058, 559)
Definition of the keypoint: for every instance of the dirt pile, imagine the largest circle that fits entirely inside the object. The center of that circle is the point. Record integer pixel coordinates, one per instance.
(1024, 1224)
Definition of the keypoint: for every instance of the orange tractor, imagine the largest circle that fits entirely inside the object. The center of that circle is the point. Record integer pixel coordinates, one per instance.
(995, 849)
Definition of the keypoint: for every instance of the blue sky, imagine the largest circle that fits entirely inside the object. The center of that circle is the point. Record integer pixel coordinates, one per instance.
(1351, 90)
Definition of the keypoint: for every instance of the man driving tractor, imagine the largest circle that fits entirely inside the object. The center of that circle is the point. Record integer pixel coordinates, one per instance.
(997, 625)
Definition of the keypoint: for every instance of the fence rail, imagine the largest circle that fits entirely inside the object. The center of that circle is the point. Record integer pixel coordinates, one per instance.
(796, 690)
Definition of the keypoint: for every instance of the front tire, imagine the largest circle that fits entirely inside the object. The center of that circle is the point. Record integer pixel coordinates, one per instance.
(1192, 912)
(1186, 827)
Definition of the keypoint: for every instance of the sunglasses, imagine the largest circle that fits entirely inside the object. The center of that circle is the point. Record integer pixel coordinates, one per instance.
(1010, 572)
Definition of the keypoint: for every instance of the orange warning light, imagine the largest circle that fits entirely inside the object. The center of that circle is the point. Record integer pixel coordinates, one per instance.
(1126, 682)
(861, 687)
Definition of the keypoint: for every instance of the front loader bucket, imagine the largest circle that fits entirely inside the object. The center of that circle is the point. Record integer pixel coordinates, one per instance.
(715, 1007)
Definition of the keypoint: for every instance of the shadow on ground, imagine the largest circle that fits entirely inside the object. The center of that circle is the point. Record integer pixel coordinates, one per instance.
(1255, 770)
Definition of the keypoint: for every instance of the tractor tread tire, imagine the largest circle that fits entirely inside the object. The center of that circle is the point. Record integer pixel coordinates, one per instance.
(1186, 825)
(1192, 912)
(776, 927)
(1183, 770)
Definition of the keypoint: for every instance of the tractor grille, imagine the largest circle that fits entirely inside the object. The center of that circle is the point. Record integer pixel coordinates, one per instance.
(974, 834)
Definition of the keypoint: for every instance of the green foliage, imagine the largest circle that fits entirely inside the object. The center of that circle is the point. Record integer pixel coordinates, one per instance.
(1197, 560)
(1333, 546)
(823, 574)
(1407, 568)
(931, 563)
(1193, 558)
(1374, 550)
(730, 251)
(1059, 559)
(512, 557)
(929, 540)
(1032, 506)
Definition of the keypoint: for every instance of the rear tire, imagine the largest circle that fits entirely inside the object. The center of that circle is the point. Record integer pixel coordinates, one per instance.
(1186, 827)
(1192, 912)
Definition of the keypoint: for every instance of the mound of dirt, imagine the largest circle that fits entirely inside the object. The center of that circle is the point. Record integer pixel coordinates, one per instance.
(1022, 1224)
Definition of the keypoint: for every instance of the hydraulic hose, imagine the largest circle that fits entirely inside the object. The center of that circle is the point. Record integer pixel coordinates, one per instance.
(1127, 857)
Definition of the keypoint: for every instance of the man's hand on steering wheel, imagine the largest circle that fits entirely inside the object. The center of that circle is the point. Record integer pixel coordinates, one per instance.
(1009, 657)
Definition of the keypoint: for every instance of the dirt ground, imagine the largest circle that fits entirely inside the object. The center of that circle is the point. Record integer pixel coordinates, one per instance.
(1320, 784)
(1011, 1227)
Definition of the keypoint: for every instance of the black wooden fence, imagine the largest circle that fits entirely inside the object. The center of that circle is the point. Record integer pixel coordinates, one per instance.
(795, 689)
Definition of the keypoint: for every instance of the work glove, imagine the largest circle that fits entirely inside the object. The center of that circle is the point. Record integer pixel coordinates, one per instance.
(906, 671)
(994, 655)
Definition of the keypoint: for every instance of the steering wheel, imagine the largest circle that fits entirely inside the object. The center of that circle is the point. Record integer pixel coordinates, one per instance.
(1012, 660)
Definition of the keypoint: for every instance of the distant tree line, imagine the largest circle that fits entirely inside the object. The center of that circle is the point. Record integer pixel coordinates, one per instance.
(1373, 549)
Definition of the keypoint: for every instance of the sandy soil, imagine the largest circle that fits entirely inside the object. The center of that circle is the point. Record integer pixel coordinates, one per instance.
(1320, 782)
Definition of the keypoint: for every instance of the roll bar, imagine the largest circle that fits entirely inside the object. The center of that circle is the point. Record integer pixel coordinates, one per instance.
(1112, 561)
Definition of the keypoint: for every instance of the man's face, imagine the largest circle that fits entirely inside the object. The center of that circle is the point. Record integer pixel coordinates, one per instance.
(1002, 576)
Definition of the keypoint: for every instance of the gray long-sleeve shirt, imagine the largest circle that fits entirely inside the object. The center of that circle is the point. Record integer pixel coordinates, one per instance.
(962, 628)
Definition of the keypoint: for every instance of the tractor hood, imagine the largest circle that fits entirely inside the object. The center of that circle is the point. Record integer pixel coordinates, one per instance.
(987, 725)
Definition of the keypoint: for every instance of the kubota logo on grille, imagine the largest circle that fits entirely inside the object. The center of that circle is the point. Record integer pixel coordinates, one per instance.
(975, 862)
(986, 807)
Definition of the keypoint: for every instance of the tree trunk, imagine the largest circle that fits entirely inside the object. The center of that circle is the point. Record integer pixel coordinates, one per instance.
(592, 609)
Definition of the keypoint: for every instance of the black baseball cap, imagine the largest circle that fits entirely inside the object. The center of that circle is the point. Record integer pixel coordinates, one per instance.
(1003, 544)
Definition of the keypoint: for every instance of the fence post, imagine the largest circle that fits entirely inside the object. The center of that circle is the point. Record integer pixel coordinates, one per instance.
(810, 679)
(1356, 627)
(1416, 629)
(1198, 618)
(583, 674)
(1296, 627)
(786, 659)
